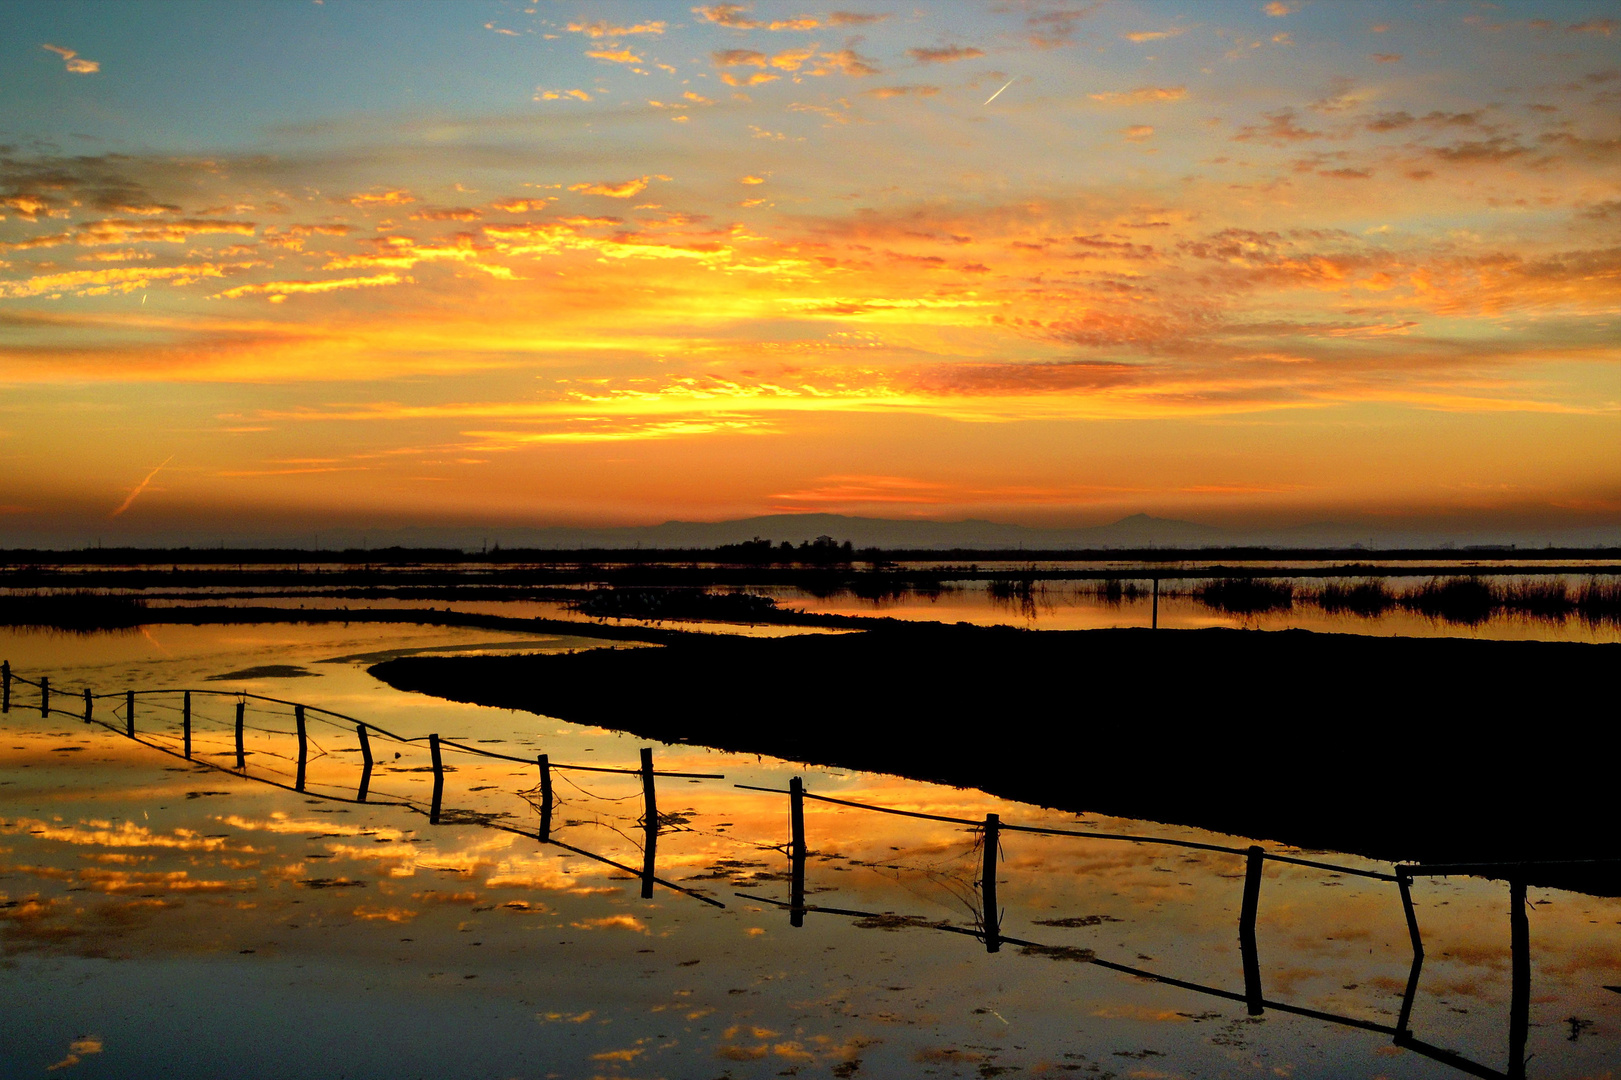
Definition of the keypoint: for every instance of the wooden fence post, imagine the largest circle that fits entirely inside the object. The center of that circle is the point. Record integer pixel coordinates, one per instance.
(44, 695)
(650, 805)
(796, 851)
(991, 916)
(241, 755)
(1246, 929)
(438, 779)
(5, 686)
(89, 705)
(545, 763)
(129, 713)
(365, 762)
(1154, 623)
(303, 746)
(185, 723)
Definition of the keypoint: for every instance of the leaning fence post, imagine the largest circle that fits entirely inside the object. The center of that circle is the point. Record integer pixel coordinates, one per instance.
(545, 763)
(129, 713)
(241, 755)
(650, 805)
(303, 746)
(89, 705)
(44, 695)
(1246, 929)
(5, 686)
(438, 779)
(185, 722)
(991, 918)
(796, 851)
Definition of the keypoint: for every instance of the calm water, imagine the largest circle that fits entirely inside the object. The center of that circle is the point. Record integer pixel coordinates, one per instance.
(161, 918)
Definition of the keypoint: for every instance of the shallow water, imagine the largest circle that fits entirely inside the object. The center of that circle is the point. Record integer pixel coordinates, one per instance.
(164, 917)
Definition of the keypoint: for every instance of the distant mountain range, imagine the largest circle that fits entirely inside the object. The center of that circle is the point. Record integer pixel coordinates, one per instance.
(1135, 531)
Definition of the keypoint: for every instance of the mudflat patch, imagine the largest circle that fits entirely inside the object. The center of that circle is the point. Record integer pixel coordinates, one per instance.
(267, 671)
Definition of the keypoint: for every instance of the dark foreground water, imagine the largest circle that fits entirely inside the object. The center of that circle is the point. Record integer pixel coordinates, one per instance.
(159, 918)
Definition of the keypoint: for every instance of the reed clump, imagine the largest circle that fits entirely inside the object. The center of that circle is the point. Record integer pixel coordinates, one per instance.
(1544, 597)
(1466, 600)
(81, 611)
(1599, 599)
(1116, 591)
(1369, 598)
(1246, 596)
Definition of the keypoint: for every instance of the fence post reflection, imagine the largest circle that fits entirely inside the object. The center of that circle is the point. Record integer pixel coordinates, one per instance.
(1404, 882)
(990, 917)
(241, 751)
(1246, 929)
(650, 846)
(365, 762)
(438, 779)
(545, 763)
(89, 705)
(185, 723)
(796, 851)
(1519, 1012)
(5, 686)
(303, 746)
(129, 713)
(44, 695)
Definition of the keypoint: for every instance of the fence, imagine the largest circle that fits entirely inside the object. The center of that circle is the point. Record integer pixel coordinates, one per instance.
(989, 833)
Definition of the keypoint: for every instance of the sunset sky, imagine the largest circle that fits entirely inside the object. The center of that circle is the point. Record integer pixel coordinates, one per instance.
(274, 267)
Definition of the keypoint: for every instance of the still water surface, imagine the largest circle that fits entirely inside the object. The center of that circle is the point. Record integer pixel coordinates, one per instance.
(159, 917)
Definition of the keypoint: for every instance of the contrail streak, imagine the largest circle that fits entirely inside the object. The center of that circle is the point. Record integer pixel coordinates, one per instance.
(1005, 85)
(125, 505)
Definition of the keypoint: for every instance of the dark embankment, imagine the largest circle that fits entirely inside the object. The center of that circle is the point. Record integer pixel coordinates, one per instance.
(1403, 749)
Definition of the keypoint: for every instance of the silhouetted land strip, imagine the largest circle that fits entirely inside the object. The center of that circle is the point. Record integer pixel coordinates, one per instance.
(1429, 750)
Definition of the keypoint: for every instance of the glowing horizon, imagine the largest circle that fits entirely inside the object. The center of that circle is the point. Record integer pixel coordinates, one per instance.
(339, 264)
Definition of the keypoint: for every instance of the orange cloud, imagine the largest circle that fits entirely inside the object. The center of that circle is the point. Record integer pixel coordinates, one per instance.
(617, 56)
(277, 290)
(600, 29)
(73, 61)
(1143, 95)
(624, 189)
(882, 92)
(736, 17)
(945, 54)
(1141, 36)
(396, 197)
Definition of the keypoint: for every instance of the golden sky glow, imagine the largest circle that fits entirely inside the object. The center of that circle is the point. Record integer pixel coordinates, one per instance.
(582, 264)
